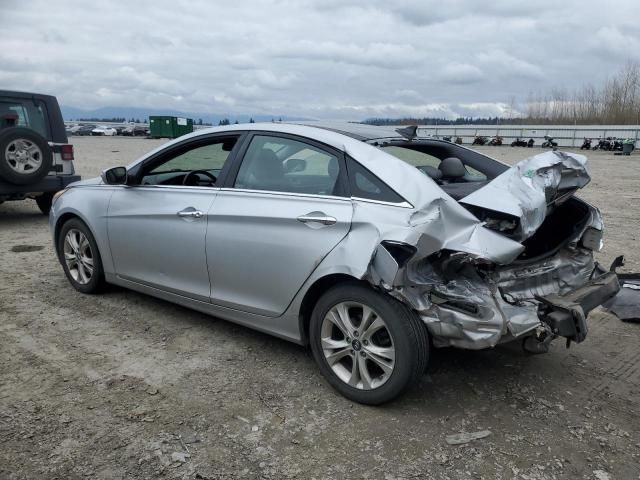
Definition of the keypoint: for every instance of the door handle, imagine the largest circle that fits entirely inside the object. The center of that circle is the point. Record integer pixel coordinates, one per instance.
(190, 212)
(317, 217)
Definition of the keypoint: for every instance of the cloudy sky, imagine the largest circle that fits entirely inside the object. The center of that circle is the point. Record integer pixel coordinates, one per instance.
(343, 59)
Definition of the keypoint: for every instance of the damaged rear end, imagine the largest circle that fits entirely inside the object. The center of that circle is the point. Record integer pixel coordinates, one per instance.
(513, 260)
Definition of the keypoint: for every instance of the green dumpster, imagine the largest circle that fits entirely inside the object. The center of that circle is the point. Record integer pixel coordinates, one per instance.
(163, 126)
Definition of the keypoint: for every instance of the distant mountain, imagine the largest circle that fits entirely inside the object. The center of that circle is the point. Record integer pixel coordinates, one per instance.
(73, 113)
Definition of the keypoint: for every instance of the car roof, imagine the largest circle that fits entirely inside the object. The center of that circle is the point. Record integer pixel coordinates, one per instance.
(14, 93)
(359, 131)
(405, 179)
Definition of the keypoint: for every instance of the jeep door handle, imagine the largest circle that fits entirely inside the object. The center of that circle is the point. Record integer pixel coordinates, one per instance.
(317, 217)
(190, 212)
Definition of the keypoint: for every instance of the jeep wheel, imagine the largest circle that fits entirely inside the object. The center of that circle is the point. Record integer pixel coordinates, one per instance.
(25, 156)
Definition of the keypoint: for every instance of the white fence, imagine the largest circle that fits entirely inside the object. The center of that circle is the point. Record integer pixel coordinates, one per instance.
(565, 135)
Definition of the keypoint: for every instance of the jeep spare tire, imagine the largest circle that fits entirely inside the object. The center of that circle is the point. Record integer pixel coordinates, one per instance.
(25, 156)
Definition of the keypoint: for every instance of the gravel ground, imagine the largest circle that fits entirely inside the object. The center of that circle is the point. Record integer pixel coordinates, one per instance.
(126, 386)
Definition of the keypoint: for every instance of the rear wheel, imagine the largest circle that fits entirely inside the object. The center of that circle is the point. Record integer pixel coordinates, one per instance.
(78, 252)
(369, 346)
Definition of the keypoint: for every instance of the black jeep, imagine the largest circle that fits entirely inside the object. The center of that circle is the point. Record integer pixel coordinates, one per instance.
(36, 159)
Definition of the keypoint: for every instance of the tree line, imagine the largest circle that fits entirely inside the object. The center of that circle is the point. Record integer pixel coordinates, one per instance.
(436, 121)
(616, 102)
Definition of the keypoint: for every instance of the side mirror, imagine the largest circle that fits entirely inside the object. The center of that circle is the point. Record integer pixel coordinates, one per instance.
(114, 176)
(295, 165)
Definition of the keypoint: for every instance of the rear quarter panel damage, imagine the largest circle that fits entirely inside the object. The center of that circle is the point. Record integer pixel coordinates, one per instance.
(488, 298)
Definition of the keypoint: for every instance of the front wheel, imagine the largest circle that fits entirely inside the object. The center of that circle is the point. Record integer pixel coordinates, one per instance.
(369, 346)
(78, 252)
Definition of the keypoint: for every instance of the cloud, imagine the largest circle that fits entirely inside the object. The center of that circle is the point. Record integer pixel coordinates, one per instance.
(609, 40)
(462, 73)
(503, 64)
(315, 58)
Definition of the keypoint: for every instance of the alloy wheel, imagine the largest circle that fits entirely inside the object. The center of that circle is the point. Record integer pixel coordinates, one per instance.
(78, 256)
(357, 345)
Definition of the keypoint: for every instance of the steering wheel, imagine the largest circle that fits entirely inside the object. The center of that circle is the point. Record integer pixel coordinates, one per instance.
(197, 172)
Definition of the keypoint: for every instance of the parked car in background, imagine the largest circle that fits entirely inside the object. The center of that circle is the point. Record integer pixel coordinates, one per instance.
(71, 129)
(135, 131)
(104, 131)
(36, 160)
(367, 244)
(84, 130)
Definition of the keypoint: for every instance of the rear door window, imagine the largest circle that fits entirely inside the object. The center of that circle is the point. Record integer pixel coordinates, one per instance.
(24, 113)
(285, 165)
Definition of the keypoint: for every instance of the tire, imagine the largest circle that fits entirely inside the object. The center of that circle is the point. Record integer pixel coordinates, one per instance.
(25, 156)
(44, 202)
(403, 339)
(74, 267)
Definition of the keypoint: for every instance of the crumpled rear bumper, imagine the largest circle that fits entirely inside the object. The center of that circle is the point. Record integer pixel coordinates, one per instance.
(566, 314)
(548, 299)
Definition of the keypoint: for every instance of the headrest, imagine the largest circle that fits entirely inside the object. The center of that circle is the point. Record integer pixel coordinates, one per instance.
(452, 167)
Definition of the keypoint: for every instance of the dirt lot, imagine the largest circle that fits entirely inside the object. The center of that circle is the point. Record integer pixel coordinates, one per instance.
(126, 386)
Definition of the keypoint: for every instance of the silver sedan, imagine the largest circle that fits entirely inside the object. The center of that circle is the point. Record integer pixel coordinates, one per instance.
(370, 245)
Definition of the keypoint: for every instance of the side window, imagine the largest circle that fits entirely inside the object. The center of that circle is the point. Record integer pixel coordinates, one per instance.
(198, 164)
(24, 113)
(365, 184)
(285, 165)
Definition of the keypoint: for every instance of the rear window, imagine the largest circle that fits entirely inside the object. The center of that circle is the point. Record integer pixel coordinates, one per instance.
(24, 113)
(419, 159)
(412, 157)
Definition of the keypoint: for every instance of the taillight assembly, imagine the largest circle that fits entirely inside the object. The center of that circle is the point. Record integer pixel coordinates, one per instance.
(66, 152)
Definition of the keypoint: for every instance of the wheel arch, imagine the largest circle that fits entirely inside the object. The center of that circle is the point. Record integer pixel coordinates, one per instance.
(64, 218)
(313, 294)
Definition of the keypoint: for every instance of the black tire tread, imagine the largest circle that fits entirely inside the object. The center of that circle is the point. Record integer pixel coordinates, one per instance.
(416, 334)
(98, 283)
(6, 173)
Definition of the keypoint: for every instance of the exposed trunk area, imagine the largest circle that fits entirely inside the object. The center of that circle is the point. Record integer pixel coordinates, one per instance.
(561, 225)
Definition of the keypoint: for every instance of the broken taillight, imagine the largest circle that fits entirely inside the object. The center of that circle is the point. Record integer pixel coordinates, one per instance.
(66, 152)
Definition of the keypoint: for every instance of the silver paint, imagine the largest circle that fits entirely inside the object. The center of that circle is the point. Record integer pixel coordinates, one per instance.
(248, 257)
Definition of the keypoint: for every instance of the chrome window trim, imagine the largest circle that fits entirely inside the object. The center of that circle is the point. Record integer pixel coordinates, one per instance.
(286, 194)
(170, 187)
(403, 204)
